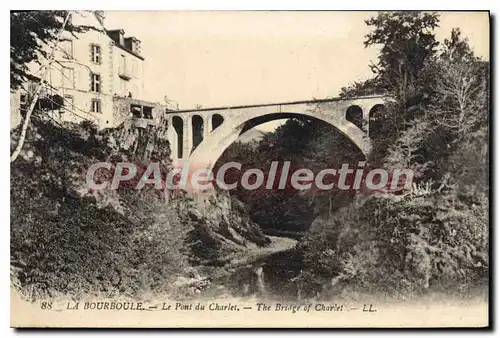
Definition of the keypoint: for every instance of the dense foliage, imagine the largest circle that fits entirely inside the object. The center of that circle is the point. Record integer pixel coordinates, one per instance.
(30, 32)
(436, 235)
(433, 235)
(69, 240)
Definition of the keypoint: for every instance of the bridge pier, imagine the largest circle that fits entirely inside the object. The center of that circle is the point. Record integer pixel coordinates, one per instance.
(187, 137)
(207, 126)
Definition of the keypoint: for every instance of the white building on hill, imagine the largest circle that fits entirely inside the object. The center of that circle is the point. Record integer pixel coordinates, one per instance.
(98, 74)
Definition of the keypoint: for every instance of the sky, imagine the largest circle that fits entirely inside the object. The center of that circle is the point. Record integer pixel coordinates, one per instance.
(222, 58)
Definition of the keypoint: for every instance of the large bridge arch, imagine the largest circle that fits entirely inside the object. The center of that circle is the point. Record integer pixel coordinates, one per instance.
(216, 149)
(233, 121)
(208, 152)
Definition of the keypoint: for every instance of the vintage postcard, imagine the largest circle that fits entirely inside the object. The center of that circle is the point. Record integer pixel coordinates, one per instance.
(257, 169)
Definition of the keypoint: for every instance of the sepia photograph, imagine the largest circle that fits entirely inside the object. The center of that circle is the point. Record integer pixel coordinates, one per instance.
(250, 169)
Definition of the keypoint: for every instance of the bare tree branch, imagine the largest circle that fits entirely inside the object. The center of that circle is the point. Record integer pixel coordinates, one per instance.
(36, 95)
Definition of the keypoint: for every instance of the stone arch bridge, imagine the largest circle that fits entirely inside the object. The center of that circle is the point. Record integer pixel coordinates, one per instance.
(202, 135)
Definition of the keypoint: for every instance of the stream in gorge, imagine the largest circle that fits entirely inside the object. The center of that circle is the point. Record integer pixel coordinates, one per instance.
(271, 273)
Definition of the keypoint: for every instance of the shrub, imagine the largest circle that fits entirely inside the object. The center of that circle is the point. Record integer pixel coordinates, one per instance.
(401, 246)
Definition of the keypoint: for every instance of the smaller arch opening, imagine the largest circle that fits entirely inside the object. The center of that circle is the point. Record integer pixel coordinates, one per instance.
(354, 114)
(178, 125)
(197, 124)
(376, 119)
(217, 120)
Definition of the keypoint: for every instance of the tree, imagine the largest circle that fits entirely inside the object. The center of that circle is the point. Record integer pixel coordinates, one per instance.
(403, 70)
(461, 87)
(458, 114)
(406, 152)
(371, 86)
(30, 33)
(408, 42)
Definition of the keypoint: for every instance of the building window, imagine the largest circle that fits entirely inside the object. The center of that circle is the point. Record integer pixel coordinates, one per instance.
(67, 48)
(68, 77)
(96, 106)
(96, 83)
(96, 53)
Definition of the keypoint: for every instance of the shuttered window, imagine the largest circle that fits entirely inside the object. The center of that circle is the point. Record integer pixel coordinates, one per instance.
(96, 106)
(95, 85)
(95, 54)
